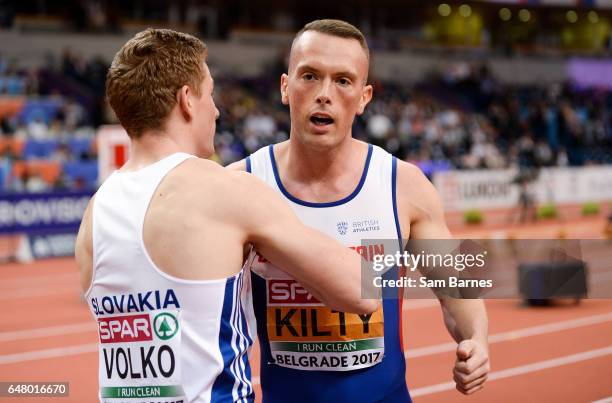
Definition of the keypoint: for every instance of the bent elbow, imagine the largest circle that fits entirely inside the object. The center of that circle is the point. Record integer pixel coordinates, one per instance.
(368, 306)
(359, 306)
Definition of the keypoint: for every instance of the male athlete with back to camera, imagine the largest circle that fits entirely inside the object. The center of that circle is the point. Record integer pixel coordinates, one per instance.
(352, 191)
(162, 243)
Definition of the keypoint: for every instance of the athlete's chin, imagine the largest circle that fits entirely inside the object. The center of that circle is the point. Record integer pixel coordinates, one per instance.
(320, 130)
(317, 131)
(323, 140)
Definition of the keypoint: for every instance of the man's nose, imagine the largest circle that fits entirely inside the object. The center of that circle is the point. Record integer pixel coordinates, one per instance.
(323, 97)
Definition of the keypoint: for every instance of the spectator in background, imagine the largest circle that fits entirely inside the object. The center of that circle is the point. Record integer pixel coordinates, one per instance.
(61, 154)
(37, 129)
(543, 153)
(35, 183)
(438, 123)
(259, 124)
(74, 114)
(6, 128)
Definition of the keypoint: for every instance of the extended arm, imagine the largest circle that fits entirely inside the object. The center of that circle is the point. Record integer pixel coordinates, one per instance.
(465, 319)
(329, 270)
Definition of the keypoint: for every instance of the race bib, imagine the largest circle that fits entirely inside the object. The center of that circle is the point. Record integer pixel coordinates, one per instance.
(139, 352)
(304, 334)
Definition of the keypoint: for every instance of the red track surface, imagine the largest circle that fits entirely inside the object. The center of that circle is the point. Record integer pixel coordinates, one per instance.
(558, 353)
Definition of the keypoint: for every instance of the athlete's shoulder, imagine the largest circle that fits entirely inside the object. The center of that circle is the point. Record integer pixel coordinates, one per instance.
(206, 175)
(83, 246)
(415, 189)
(238, 165)
(196, 170)
(408, 172)
(245, 164)
(203, 191)
(208, 178)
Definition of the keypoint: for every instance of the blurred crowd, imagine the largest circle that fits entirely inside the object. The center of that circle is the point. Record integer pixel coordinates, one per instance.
(47, 127)
(461, 118)
(452, 120)
(465, 118)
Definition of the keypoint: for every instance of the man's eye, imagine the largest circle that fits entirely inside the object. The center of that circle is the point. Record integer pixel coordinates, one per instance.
(343, 81)
(308, 76)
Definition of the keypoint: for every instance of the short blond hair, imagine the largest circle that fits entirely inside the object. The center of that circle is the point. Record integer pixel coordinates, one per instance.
(338, 28)
(147, 72)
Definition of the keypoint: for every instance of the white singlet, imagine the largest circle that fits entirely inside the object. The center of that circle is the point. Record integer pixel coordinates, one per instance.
(162, 339)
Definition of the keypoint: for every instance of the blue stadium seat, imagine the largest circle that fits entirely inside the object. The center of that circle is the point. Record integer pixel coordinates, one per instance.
(15, 86)
(46, 109)
(86, 170)
(79, 146)
(12, 85)
(39, 149)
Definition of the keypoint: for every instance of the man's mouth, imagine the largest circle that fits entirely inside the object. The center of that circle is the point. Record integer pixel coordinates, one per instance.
(321, 120)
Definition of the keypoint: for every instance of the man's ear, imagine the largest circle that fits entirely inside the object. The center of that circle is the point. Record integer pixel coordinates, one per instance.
(366, 97)
(284, 84)
(183, 100)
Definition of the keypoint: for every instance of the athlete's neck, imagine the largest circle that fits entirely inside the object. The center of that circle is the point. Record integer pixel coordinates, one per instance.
(323, 174)
(305, 164)
(150, 148)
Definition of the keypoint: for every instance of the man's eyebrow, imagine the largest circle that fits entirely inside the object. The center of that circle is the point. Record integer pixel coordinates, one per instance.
(308, 67)
(347, 73)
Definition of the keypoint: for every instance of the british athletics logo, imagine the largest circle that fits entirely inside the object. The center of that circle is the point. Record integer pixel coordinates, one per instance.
(342, 227)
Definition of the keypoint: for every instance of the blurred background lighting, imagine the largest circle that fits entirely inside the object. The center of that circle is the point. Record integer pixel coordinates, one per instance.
(465, 10)
(444, 10)
(505, 14)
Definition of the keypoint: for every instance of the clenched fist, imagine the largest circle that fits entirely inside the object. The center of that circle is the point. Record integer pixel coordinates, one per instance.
(472, 366)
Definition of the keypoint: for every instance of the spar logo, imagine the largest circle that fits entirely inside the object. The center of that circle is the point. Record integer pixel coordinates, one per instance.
(124, 329)
(133, 328)
(283, 292)
(165, 325)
